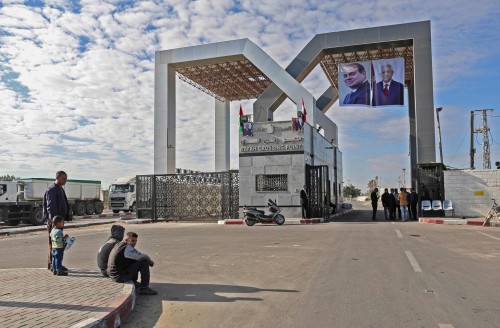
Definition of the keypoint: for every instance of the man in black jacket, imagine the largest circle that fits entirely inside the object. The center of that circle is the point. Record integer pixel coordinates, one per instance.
(125, 263)
(386, 201)
(117, 232)
(55, 204)
(374, 198)
(304, 202)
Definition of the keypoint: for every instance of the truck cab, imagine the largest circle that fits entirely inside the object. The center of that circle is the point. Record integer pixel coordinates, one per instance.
(8, 191)
(122, 195)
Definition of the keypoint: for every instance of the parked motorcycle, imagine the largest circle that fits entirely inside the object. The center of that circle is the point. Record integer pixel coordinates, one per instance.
(253, 215)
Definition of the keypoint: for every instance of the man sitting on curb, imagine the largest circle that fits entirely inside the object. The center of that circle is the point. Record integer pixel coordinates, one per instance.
(125, 263)
(117, 233)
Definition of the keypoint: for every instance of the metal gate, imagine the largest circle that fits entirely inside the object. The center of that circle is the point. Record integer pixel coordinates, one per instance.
(317, 179)
(190, 196)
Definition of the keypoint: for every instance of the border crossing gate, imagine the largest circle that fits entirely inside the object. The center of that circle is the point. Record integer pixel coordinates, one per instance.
(188, 196)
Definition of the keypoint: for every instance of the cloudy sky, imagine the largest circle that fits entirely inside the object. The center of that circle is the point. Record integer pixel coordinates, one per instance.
(77, 77)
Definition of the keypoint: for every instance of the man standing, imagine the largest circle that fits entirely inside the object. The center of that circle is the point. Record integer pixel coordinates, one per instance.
(412, 203)
(398, 208)
(125, 263)
(388, 91)
(355, 78)
(304, 202)
(386, 201)
(55, 204)
(374, 198)
(403, 202)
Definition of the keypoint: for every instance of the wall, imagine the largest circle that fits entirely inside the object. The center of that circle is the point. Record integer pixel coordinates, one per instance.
(471, 191)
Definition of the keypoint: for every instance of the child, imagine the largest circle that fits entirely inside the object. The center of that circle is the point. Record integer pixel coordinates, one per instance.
(58, 244)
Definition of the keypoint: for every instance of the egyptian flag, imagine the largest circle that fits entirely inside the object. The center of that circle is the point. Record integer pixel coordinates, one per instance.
(241, 115)
(304, 112)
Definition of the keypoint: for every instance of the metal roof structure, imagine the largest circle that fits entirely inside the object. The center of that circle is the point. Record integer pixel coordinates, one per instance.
(229, 80)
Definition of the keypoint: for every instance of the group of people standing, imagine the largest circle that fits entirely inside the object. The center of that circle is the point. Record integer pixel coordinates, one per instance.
(402, 203)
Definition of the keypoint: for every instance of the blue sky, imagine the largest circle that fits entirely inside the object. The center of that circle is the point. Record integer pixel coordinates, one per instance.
(77, 80)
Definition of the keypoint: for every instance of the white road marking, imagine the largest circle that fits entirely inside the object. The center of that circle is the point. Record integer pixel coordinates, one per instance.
(445, 325)
(488, 235)
(413, 261)
(393, 222)
(400, 235)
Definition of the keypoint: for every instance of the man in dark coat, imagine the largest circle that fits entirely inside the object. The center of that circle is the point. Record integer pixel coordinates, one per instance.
(355, 78)
(388, 91)
(55, 204)
(304, 202)
(386, 200)
(392, 206)
(374, 198)
(117, 233)
(412, 203)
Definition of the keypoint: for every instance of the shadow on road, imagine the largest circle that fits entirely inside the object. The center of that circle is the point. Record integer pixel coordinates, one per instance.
(148, 309)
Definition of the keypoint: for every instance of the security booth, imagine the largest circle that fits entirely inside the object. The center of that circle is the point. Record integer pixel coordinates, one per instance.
(278, 158)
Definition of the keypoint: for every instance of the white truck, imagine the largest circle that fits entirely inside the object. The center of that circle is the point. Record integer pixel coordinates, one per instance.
(22, 200)
(122, 195)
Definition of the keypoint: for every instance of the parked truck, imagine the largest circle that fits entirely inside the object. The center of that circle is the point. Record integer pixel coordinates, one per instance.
(22, 200)
(122, 195)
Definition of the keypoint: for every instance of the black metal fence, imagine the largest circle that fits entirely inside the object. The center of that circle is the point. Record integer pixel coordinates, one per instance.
(189, 196)
(317, 179)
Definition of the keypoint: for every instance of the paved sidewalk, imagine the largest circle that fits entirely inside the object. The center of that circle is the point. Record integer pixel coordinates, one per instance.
(37, 298)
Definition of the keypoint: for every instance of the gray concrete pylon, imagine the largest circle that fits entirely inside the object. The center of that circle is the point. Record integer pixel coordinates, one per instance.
(167, 61)
(421, 108)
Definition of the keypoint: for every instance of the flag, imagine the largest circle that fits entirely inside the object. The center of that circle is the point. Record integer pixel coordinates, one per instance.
(304, 112)
(241, 115)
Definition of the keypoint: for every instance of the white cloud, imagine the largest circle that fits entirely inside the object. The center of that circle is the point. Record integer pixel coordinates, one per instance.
(76, 88)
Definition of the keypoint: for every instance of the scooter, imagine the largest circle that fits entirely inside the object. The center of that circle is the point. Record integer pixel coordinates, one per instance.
(253, 215)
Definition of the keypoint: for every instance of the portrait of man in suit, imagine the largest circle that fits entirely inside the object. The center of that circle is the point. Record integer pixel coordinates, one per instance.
(355, 78)
(248, 129)
(387, 91)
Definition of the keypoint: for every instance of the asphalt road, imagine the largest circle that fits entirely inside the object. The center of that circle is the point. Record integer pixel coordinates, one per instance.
(355, 273)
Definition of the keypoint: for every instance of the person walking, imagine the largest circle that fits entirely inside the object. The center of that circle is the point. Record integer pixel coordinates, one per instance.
(374, 198)
(55, 204)
(413, 202)
(304, 202)
(403, 202)
(386, 203)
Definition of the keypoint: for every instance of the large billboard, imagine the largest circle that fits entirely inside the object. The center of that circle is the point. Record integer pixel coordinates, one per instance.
(356, 87)
(354, 83)
(388, 89)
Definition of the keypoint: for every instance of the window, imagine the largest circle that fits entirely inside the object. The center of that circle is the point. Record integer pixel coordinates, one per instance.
(271, 182)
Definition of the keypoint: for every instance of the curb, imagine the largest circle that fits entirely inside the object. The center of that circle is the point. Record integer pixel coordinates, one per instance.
(137, 221)
(107, 215)
(122, 307)
(43, 227)
(451, 221)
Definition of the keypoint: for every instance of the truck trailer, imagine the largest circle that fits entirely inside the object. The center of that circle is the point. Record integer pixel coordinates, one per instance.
(22, 200)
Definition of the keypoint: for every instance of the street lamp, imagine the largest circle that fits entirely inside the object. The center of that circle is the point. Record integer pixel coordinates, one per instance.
(404, 178)
(438, 109)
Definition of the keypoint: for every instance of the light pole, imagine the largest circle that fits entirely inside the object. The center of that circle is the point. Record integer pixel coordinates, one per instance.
(438, 109)
(404, 178)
